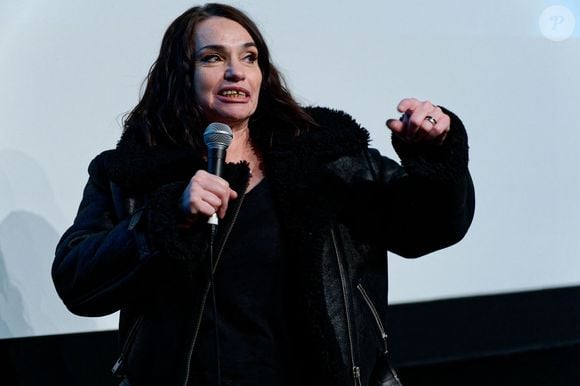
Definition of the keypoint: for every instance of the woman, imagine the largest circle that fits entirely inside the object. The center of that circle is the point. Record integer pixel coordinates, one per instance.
(306, 212)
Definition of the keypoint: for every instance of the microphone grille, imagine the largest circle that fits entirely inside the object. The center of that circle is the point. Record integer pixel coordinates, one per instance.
(218, 135)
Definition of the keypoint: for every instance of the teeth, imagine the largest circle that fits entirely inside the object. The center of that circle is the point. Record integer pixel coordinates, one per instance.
(234, 93)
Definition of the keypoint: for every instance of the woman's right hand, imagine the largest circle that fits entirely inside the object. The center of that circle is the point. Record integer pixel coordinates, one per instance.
(205, 195)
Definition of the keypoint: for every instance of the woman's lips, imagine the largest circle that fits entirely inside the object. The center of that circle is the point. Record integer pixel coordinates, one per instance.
(234, 94)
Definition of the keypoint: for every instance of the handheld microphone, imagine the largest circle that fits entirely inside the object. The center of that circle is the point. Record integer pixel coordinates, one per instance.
(217, 138)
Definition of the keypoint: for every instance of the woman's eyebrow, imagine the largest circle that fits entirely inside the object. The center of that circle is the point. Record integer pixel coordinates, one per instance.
(219, 47)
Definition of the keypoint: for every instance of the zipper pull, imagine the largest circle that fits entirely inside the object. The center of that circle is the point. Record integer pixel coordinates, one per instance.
(356, 374)
(385, 336)
(117, 367)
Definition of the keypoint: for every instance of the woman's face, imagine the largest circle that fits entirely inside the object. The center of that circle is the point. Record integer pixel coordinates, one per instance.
(227, 75)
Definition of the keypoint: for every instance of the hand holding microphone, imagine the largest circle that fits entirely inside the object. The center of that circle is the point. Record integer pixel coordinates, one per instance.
(207, 194)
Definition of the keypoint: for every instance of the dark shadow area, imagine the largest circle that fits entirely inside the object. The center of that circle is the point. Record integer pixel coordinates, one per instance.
(484, 326)
(527, 338)
(558, 366)
(521, 339)
(59, 360)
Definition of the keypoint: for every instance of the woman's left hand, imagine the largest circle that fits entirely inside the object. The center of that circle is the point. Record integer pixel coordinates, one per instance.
(422, 121)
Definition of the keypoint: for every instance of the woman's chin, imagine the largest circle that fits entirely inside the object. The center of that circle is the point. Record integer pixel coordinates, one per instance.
(230, 118)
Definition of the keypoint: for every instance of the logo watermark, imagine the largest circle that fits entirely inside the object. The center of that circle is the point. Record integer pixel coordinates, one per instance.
(557, 23)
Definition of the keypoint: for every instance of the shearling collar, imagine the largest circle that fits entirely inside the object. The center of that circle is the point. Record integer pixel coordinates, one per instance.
(138, 167)
(338, 134)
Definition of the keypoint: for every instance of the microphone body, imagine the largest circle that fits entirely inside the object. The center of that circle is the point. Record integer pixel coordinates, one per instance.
(217, 138)
(215, 160)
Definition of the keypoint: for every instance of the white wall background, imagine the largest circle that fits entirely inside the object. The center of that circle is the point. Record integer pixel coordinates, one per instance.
(70, 69)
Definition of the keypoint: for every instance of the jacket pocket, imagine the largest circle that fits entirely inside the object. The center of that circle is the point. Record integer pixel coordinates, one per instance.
(374, 312)
(118, 369)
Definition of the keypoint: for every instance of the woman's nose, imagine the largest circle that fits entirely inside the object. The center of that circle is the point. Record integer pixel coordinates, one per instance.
(234, 71)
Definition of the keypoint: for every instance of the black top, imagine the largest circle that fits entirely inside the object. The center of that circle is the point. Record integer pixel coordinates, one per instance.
(250, 284)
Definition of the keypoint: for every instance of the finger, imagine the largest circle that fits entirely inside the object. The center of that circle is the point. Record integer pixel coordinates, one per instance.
(201, 200)
(211, 183)
(203, 207)
(198, 205)
(427, 130)
(436, 131)
(229, 195)
(411, 118)
(442, 128)
(232, 195)
(417, 117)
(400, 127)
(191, 201)
(407, 104)
(422, 121)
(435, 124)
(222, 194)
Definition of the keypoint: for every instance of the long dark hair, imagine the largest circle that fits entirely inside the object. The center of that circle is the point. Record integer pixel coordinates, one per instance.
(168, 112)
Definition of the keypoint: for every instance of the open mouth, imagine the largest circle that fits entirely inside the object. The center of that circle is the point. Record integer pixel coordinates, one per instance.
(233, 93)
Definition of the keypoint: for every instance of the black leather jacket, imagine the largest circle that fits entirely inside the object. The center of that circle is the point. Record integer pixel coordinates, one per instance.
(341, 207)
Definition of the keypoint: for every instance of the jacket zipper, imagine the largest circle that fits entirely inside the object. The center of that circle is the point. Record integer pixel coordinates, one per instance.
(117, 367)
(207, 288)
(375, 315)
(355, 368)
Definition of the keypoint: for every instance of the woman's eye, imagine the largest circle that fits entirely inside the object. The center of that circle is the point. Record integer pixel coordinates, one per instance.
(210, 58)
(251, 58)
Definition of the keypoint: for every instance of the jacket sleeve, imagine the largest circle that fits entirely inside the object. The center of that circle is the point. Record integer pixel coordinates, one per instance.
(103, 262)
(427, 203)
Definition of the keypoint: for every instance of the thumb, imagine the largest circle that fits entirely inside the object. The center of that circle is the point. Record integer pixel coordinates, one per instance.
(233, 194)
(395, 125)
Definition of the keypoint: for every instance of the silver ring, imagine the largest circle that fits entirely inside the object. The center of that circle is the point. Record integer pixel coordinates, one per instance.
(431, 120)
